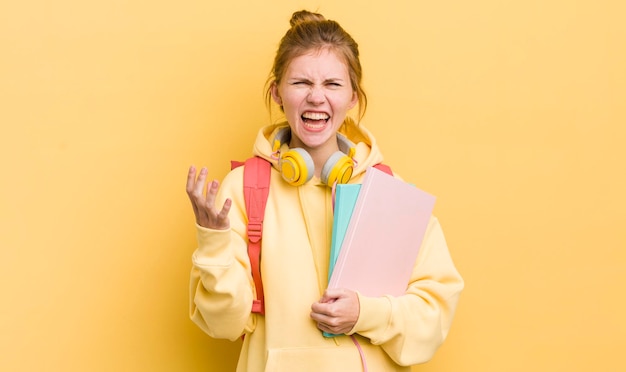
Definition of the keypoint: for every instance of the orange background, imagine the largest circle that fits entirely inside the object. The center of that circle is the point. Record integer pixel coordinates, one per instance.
(512, 113)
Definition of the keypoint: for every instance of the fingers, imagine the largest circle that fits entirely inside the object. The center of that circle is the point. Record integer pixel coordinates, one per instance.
(194, 190)
(332, 324)
(198, 187)
(211, 195)
(203, 200)
(191, 178)
(211, 192)
(225, 209)
(195, 186)
(333, 294)
(190, 187)
(337, 311)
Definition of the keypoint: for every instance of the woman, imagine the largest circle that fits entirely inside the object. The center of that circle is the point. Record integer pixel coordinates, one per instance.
(316, 80)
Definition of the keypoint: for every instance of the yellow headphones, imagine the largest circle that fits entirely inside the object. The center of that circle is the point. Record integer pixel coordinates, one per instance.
(296, 165)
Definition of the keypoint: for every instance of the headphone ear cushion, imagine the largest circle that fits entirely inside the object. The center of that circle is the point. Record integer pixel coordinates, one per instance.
(296, 166)
(338, 168)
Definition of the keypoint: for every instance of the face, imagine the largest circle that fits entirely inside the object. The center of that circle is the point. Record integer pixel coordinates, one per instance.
(316, 95)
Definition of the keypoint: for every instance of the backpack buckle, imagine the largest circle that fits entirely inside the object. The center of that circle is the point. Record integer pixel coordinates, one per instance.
(255, 231)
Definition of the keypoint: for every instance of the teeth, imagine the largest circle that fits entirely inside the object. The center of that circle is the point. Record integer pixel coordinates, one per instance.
(315, 116)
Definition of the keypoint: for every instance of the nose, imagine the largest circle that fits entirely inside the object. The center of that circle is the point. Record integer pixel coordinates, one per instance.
(316, 95)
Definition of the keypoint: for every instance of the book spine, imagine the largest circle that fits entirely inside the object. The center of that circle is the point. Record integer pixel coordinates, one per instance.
(354, 220)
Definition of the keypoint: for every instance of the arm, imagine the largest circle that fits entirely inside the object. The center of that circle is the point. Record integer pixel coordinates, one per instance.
(410, 328)
(221, 288)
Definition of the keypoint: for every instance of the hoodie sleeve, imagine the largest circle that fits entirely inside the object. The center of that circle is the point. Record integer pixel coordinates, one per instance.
(221, 286)
(410, 328)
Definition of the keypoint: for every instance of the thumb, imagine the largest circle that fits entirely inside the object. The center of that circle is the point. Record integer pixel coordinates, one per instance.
(331, 295)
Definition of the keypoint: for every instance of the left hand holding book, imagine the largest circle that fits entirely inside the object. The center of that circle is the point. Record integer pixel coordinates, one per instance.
(337, 311)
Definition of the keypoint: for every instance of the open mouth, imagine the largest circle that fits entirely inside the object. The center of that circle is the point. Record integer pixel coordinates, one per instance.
(315, 118)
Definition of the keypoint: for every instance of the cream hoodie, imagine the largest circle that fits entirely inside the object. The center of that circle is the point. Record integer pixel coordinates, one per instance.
(393, 332)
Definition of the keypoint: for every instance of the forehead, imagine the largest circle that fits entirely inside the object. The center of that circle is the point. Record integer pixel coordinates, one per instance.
(325, 63)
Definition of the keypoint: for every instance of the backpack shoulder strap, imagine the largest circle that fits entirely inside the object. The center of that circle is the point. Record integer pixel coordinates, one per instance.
(256, 182)
(385, 168)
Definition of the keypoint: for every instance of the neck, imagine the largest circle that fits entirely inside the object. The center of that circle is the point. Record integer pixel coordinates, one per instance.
(319, 154)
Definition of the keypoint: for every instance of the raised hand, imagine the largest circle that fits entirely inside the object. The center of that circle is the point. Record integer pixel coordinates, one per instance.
(203, 202)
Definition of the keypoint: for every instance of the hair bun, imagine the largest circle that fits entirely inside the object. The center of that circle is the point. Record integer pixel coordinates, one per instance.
(302, 16)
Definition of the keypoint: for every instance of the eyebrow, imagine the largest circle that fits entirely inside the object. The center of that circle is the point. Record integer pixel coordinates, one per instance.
(330, 80)
(334, 80)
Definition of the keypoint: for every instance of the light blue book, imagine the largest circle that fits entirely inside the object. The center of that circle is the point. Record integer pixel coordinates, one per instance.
(345, 199)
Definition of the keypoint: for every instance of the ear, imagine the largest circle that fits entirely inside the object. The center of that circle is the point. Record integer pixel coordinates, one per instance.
(354, 101)
(275, 94)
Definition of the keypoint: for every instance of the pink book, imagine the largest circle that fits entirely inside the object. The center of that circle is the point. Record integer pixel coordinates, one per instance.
(383, 237)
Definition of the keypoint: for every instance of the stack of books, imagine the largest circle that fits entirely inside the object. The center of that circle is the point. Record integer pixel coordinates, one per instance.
(378, 229)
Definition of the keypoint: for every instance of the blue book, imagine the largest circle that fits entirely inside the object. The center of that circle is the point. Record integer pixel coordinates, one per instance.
(345, 199)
